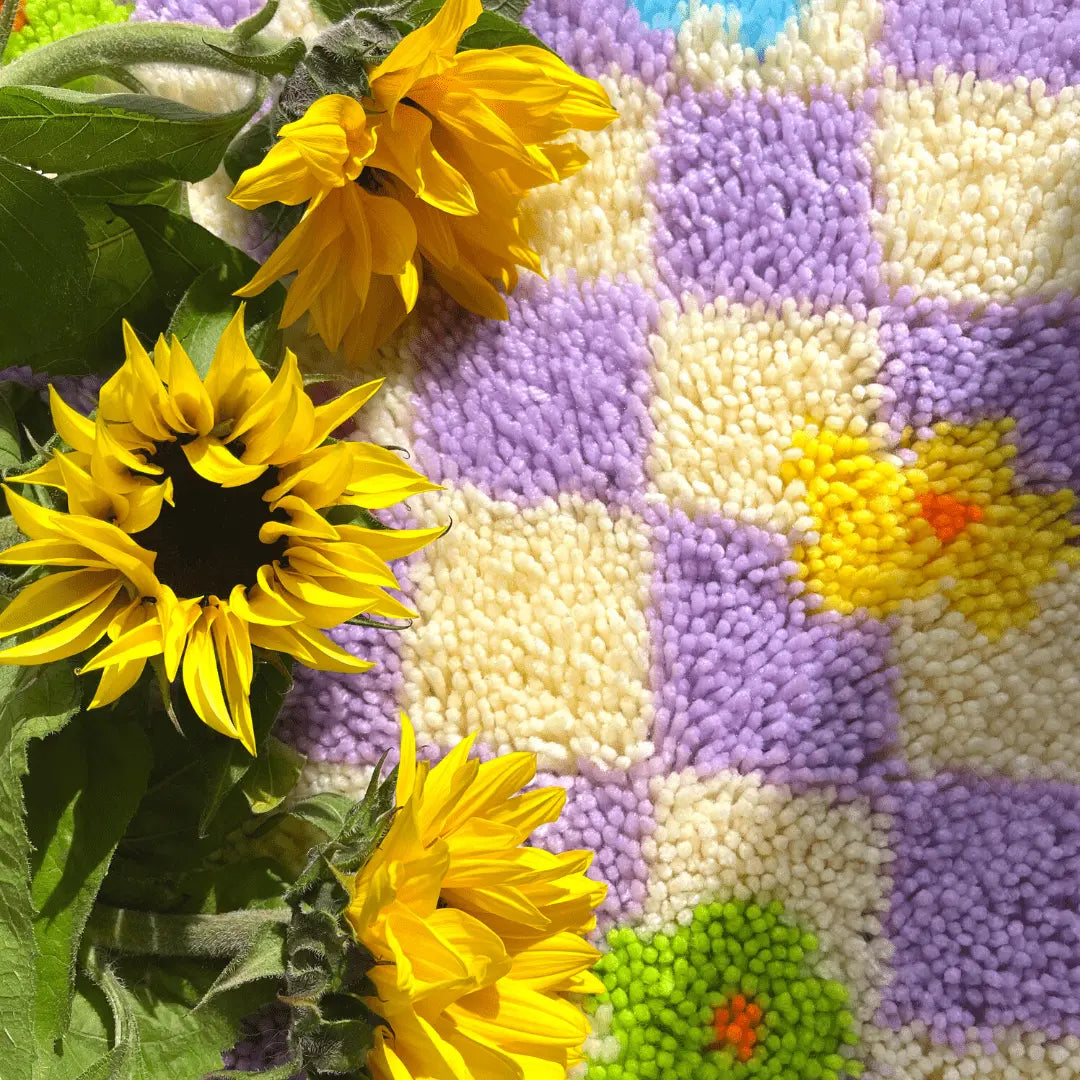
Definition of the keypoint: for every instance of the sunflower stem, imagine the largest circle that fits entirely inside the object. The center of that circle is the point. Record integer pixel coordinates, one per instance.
(148, 933)
(8, 10)
(104, 48)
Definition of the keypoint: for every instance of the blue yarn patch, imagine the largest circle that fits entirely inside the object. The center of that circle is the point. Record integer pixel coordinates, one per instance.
(762, 20)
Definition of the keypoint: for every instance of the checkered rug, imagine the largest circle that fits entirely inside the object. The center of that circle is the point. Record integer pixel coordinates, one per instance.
(764, 534)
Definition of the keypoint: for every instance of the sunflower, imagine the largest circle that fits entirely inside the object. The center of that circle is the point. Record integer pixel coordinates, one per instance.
(195, 529)
(478, 939)
(451, 141)
(354, 248)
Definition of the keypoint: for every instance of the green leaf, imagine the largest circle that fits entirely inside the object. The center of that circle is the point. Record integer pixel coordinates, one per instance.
(495, 31)
(354, 515)
(176, 1041)
(126, 186)
(249, 147)
(34, 702)
(63, 131)
(10, 443)
(422, 11)
(264, 958)
(197, 273)
(228, 768)
(274, 776)
(44, 264)
(81, 790)
(201, 317)
(121, 287)
(278, 62)
(165, 840)
(326, 810)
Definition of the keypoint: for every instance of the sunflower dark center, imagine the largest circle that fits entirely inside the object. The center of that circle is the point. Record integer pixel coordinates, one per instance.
(209, 541)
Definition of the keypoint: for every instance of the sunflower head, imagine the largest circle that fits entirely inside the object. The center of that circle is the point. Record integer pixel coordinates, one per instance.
(203, 518)
(477, 938)
(426, 168)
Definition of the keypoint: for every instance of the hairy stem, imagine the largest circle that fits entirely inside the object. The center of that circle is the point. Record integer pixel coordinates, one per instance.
(8, 10)
(144, 933)
(104, 48)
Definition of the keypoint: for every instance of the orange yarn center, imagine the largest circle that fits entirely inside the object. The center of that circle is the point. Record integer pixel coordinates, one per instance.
(736, 1026)
(947, 516)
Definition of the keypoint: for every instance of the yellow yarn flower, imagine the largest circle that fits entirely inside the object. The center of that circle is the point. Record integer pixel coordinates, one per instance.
(887, 532)
(478, 939)
(450, 144)
(196, 529)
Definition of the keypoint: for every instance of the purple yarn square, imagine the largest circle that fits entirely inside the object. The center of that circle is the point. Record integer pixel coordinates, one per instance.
(995, 39)
(609, 816)
(984, 913)
(746, 678)
(593, 36)
(1020, 361)
(203, 12)
(763, 194)
(348, 719)
(554, 400)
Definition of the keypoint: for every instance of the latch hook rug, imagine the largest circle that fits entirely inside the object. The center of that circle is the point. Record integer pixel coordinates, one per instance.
(765, 533)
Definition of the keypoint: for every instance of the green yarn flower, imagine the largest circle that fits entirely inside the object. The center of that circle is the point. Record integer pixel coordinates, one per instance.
(50, 20)
(731, 996)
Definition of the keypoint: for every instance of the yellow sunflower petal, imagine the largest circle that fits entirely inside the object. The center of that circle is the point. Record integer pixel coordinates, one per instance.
(215, 462)
(84, 495)
(262, 603)
(48, 475)
(384, 1062)
(335, 412)
(406, 779)
(74, 428)
(304, 523)
(404, 148)
(146, 403)
(318, 477)
(283, 415)
(144, 506)
(235, 381)
(202, 682)
(54, 596)
(187, 394)
(512, 1015)
(496, 781)
(426, 51)
(176, 617)
(77, 632)
(233, 647)
(309, 647)
(389, 544)
(328, 592)
(141, 642)
(52, 553)
(547, 963)
(352, 562)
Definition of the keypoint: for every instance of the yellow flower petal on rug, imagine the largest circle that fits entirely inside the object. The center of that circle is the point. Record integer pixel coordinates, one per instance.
(952, 521)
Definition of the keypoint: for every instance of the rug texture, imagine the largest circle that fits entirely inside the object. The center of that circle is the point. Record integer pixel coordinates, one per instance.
(764, 533)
